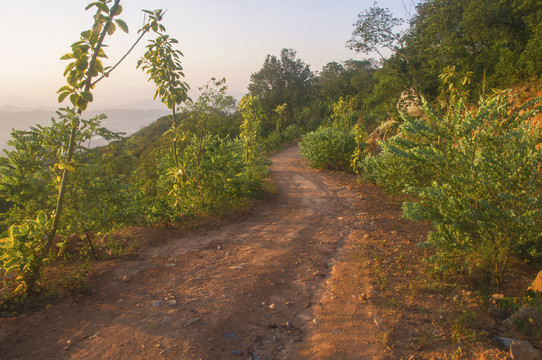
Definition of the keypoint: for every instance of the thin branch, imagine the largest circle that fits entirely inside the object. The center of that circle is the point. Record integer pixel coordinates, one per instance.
(106, 74)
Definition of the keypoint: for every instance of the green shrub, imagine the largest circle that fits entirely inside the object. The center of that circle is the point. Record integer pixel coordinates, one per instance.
(273, 141)
(481, 186)
(213, 176)
(291, 133)
(328, 148)
(393, 172)
(24, 251)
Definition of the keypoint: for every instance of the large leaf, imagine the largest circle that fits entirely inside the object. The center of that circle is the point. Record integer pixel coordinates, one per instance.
(11, 265)
(112, 28)
(123, 26)
(63, 96)
(87, 95)
(41, 218)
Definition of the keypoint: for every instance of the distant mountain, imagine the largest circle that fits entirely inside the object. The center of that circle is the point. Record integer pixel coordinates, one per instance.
(15, 102)
(18, 103)
(148, 104)
(14, 108)
(119, 120)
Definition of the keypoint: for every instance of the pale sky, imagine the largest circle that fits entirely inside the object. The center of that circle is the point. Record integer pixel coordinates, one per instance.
(217, 37)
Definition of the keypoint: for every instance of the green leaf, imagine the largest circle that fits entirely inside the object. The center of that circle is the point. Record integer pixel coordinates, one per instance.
(24, 229)
(64, 88)
(69, 68)
(92, 73)
(86, 34)
(81, 104)
(111, 29)
(90, 5)
(12, 253)
(101, 53)
(11, 264)
(84, 48)
(123, 26)
(118, 11)
(6, 244)
(103, 7)
(14, 231)
(82, 64)
(98, 66)
(63, 96)
(74, 98)
(87, 95)
(97, 27)
(72, 79)
(96, 3)
(66, 56)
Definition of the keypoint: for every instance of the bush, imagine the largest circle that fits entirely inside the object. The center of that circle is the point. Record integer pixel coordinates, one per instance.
(273, 141)
(291, 133)
(478, 182)
(393, 172)
(213, 176)
(328, 148)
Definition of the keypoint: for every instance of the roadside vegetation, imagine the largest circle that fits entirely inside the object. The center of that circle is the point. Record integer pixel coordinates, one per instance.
(446, 117)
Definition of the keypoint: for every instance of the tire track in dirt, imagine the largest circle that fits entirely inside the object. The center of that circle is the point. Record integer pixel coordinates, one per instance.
(281, 282)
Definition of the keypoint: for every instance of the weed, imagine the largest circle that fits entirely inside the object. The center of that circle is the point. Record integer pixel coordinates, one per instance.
(414, 288)
(424, 338)
(460, 328)
(77, 282)
(385, 337)
(381, 275)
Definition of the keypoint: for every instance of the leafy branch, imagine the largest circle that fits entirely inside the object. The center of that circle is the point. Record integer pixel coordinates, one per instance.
(86, 64)
(162, 63)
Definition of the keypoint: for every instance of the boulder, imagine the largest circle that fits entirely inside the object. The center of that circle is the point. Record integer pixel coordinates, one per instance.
(528, 316)
(523, 350)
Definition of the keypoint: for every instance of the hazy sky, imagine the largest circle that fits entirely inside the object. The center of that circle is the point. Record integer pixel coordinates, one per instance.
(218, 38)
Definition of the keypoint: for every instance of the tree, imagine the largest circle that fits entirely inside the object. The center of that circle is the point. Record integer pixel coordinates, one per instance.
(373, 32)
(354, 78)
(84, 67)
(286, 80)
(498, 41)
(251, 110)
(162, 63)
(213, 111)
(331, 82)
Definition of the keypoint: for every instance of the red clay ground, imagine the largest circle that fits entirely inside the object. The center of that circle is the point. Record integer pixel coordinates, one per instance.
(324, 269)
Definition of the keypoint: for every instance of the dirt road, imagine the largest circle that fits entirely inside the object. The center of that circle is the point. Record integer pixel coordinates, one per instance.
(278, 283)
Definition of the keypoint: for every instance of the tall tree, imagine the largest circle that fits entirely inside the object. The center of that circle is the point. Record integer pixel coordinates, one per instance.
(499, 41)
(286, 80)
(374, 32)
